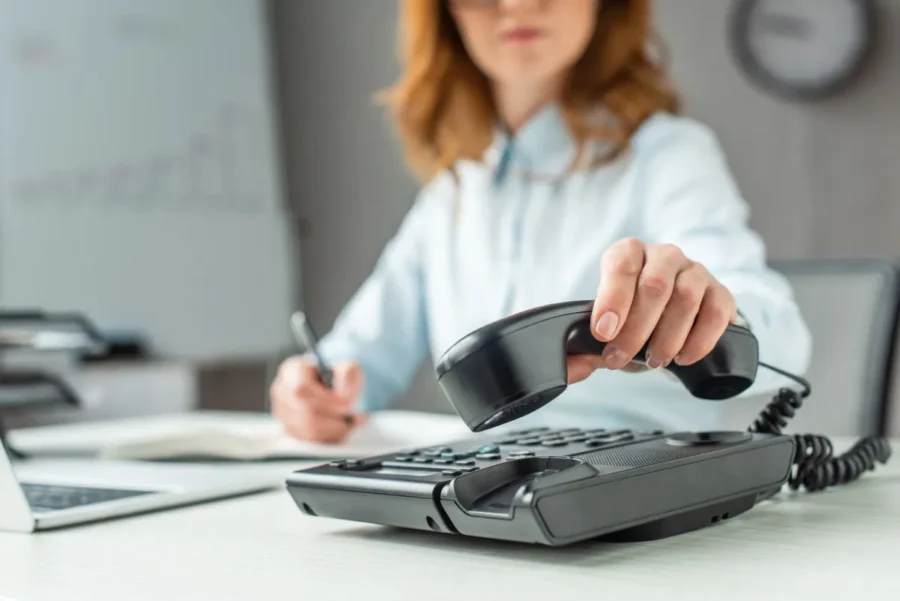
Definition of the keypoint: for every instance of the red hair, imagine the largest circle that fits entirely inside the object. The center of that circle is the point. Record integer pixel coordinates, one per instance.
(444, 112)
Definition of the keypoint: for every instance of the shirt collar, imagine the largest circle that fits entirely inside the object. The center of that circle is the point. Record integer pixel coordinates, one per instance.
(543, 147)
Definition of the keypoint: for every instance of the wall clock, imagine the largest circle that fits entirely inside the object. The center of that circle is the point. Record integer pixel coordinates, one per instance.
(803, 49)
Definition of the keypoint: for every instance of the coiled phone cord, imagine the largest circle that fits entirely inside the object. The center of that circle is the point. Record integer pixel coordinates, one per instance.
(814, 465)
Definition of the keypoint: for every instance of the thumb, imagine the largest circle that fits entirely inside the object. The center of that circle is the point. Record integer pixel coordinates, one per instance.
(348, 380)
(579, 367)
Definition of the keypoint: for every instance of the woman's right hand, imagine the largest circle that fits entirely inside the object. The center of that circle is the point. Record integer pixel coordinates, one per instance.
(310, 411)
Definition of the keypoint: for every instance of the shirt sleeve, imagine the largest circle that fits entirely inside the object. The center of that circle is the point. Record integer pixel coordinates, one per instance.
(383, 327)
(693, 202)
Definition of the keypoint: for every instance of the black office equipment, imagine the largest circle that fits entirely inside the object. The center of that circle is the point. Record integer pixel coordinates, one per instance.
(41, 331)
(557, 487)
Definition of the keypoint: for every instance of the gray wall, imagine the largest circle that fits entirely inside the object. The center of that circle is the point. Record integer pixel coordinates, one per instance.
(823, 180)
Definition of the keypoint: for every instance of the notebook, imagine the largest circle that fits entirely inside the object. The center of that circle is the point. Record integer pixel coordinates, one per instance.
(232, 436)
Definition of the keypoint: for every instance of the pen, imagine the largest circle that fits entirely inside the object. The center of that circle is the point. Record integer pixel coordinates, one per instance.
(306, 337)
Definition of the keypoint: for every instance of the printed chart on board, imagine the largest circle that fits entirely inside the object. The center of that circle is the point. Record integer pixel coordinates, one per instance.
(139, 176)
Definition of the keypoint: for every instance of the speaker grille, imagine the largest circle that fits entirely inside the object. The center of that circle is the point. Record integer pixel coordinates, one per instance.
(526, 406)
(522, 408)
(641, 456)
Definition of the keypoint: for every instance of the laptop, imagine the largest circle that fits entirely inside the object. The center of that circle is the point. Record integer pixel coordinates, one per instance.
(38, 494)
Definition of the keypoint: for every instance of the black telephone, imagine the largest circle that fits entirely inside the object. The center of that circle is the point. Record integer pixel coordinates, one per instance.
(560, 486)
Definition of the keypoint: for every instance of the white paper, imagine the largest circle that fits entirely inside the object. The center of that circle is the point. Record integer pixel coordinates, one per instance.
(234, 435)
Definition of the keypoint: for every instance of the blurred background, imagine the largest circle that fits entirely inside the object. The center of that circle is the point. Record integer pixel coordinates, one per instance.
(187, 173)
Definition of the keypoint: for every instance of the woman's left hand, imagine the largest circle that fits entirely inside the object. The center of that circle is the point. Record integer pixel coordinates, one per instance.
(654, 293)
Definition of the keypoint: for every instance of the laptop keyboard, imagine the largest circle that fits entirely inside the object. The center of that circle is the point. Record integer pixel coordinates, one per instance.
(48, 497)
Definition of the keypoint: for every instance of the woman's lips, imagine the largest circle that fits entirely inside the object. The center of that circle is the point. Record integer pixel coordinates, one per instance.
(522, 35)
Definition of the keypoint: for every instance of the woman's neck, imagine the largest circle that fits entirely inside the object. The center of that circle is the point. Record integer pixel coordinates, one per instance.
(518, 103)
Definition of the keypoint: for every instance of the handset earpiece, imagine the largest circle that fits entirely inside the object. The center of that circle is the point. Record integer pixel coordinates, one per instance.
(516, 365)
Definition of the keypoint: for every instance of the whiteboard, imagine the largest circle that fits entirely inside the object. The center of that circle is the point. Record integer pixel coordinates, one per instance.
(139, 172)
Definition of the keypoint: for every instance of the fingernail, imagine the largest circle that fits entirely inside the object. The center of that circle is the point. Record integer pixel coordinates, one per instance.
(680, 359)
(614, 358)
(606, 325)
(653, 362)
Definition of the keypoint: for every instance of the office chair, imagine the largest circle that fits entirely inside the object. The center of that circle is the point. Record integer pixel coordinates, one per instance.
(893, 397)
(851, 308)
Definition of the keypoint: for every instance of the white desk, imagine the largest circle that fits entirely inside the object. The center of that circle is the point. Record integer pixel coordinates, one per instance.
(840, 544)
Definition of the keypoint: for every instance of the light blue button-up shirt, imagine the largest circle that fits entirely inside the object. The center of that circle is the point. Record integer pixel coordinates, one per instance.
(519, 229)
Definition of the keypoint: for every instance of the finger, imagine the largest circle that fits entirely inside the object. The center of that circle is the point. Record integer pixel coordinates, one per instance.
(662, 266)
(678, 317)
(309, 379)
(302, 378)
(348, 380)
(329, 430)
(291, 390)
(310, 421)
(307, 424)
(620, 268)
(286, 407)
(325, 402)
(288, 412)
(293, 369)
(634, 368)
(579, 367)
(715, 314)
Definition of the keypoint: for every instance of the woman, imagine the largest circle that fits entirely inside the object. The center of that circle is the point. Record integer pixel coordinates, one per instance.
(554, 167)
